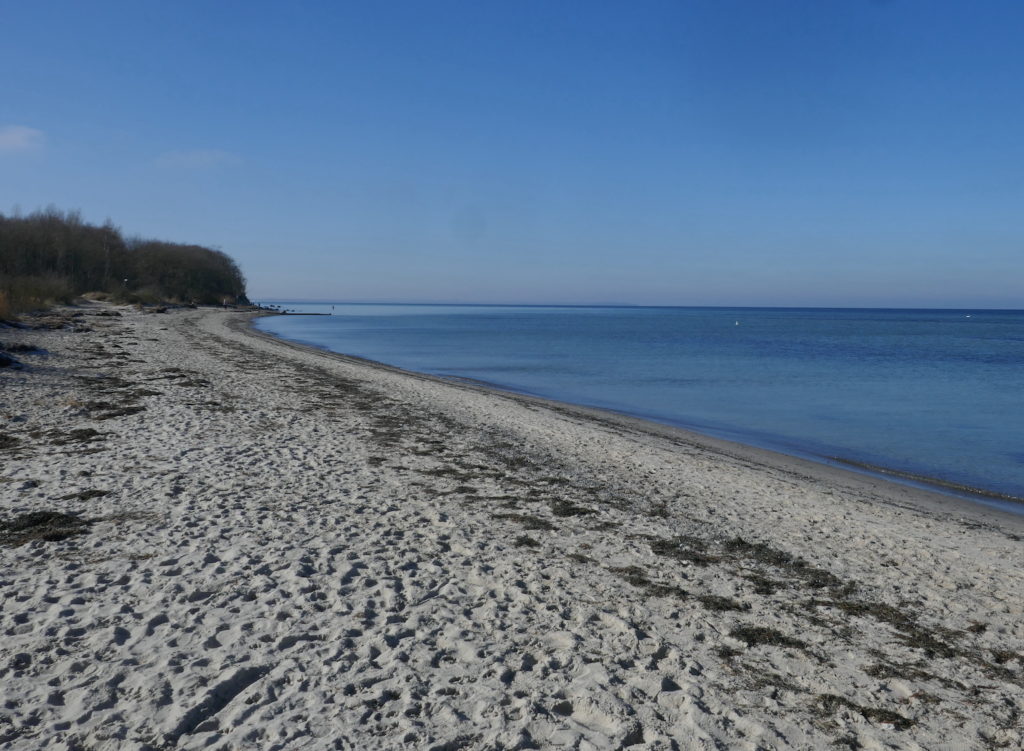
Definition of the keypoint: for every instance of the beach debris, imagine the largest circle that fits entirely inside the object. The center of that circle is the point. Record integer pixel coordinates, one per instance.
(49, 526)
(525, 541)
(721, 604)
(107, 411)
(528, 521)
(562, 507)
(18, 347)
(77, 435)
(85, 495)
(755, 635)
(52, 321)
(179, 377)
(830, 704)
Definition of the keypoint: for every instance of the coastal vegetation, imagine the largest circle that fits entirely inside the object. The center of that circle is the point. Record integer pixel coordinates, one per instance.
(52, 256)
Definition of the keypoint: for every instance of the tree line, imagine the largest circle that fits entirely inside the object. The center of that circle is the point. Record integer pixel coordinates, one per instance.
(52, 256)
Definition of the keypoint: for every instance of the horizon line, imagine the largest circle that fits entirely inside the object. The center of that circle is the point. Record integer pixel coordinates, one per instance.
(322, 301)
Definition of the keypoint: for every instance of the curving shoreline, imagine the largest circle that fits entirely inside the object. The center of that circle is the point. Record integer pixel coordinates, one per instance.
(843, 425)
(287, 547)
(927, 492)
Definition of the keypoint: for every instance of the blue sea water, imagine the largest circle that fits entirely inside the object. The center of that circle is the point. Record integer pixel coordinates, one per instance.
(933, 393)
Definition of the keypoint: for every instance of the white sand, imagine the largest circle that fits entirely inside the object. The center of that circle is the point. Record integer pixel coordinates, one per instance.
(301, 550)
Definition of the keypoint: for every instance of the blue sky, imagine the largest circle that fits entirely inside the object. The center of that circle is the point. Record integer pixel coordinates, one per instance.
(693, 153)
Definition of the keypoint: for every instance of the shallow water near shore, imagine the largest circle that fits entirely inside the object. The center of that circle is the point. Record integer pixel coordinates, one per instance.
(934, 394)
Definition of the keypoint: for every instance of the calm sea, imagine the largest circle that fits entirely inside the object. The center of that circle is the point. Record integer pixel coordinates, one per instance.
(930, 393)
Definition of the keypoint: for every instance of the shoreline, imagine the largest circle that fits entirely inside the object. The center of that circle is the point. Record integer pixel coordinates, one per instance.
(793, 447)
(926, 492)
(241, 541)
(991, 498)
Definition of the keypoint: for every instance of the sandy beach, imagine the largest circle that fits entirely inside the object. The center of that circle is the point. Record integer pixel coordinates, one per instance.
(276, 547)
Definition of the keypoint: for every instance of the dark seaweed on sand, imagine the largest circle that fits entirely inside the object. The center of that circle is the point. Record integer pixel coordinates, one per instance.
(49, 526)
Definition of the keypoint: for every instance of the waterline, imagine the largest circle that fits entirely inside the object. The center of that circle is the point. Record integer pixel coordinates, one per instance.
(926, 394)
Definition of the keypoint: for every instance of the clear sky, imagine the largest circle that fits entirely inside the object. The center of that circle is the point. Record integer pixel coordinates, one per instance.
(719, 152)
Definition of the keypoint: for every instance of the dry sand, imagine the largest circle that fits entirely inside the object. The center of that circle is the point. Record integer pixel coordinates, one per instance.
(283, 548)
